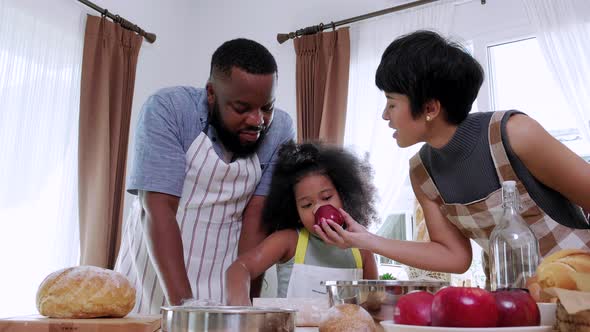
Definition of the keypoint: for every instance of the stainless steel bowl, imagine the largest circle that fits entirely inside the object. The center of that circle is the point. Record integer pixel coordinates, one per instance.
(226, 319)
(378, 297)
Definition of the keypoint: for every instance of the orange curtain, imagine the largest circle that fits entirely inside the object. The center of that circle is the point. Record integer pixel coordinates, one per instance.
(108, 78)
(323, 62)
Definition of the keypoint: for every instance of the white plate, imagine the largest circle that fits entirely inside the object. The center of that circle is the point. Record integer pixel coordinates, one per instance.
(389, 326)
(547, 311)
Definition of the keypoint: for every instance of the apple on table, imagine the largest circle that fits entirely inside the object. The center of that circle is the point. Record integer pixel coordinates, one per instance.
(468, 307)
(516, 307)
(464, 307)
(414, 308)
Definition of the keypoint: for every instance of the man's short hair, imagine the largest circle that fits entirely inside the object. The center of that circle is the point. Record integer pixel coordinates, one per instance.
(245, 54)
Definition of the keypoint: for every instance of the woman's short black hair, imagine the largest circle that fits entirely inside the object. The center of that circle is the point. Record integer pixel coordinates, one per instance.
(350, 176)
(245, 54)
(425, 66)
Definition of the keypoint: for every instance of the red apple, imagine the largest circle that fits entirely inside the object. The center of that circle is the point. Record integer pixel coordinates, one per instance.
(328, 212)
(464, 307)
(414, 309)
(516, 307)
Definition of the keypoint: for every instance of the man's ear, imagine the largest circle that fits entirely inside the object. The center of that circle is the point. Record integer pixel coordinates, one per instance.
(210, 92)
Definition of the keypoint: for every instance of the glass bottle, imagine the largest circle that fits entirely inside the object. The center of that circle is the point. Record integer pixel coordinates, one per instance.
(514, 249)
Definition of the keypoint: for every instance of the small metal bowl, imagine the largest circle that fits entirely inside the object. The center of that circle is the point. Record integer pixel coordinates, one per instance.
(226, 319)
(378, 297)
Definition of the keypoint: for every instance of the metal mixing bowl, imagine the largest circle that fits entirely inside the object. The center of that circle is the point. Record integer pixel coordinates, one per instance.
(226, 319)
(378, 297)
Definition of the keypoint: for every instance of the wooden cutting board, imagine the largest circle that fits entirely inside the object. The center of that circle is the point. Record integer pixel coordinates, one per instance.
(37, 323)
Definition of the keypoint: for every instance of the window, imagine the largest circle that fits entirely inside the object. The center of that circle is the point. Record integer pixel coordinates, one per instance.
(520, 79)
(397, 226)
(40, 64)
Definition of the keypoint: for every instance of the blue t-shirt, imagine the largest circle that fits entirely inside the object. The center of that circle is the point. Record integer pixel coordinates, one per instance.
(170, 121)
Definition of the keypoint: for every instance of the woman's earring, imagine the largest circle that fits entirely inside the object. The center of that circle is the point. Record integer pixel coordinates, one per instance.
(428, 118)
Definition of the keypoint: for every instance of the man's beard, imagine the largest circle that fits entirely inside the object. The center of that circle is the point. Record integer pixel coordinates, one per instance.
(231, 140)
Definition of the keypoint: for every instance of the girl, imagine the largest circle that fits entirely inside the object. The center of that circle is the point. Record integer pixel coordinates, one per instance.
(306, 177)
(430, 85)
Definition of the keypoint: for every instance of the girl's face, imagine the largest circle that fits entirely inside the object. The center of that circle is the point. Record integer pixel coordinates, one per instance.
(311, 192)
(408, 131)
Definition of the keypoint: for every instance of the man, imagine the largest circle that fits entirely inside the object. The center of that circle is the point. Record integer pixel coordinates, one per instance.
(202, 168)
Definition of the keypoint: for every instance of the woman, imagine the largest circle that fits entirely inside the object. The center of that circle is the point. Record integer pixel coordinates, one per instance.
(430, 85)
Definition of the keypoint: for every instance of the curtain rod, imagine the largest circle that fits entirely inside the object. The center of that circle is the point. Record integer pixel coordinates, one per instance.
(310, 30)
(150, 37)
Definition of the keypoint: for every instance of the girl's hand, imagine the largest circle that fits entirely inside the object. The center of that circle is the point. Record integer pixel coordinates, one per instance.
(355, 234)
(241, 302)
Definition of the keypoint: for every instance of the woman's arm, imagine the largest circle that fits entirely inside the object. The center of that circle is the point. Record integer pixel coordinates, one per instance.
(551, 162)
(278, 247)
(369, 265)
(447, 251)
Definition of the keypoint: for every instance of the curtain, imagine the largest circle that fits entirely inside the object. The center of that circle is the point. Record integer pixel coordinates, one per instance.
(366, 132)
(563, 32)
(40, 63)
(108, 78)
(322, 85)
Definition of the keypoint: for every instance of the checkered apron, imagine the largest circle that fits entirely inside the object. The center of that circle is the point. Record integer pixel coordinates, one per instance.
(477, 219)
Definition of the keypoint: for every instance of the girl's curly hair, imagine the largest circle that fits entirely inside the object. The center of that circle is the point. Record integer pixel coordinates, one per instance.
(351, 177)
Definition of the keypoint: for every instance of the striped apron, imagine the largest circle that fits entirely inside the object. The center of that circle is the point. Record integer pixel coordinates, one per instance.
(305, 281)
(209, 216)
(477, 219)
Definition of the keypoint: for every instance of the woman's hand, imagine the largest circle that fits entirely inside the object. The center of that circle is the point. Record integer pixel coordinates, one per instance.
(355, 235)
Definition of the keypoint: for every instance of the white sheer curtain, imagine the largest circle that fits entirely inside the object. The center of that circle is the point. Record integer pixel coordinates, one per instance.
(40, 63)
(366, 132)
(563, 30)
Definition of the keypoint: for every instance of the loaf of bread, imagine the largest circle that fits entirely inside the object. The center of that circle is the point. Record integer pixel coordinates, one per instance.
(557, 270)
(85, 292)
(563, 269)
(578, 322)
(347, 318)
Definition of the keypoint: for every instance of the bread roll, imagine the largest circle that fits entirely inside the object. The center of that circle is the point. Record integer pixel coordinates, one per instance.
(347, 318)
(85, 292)
(557, 269)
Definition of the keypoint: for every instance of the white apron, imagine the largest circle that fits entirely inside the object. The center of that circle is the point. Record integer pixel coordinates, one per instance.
(209, 216)
(305, 281)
